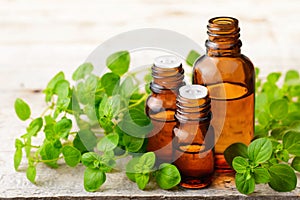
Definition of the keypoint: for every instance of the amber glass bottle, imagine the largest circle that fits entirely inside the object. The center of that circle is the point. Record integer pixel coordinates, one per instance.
(168, 75)
(229, 76)
(194, 137)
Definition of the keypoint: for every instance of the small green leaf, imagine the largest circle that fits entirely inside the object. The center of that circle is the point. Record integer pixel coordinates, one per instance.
(72, 155)
(167, 176)
(234, 150)
(283, 155)
(240, 164)
(49, 91)
(33, 128)
(31, 173)
(260, 150)
(291, 75)
(88, 159)
(245, 184)
(296, 163)
(295, 125)
(93, 179)
(273, 77)
(192, 57)
(130, 168)
(22, 109)
(118, 62)
(263, 118)
(279, 109)
(18, 158)
(127, 87)
(132, 144)
(108, 142)
(279, 132)
(261, 175)
(50, 152)
(110, 81)
(18, 144)
(85, 140)
(82, 71)
(291, 142)
(142, 180)
(283, 178)
(62, 88)
(147, 162)
(63, 127)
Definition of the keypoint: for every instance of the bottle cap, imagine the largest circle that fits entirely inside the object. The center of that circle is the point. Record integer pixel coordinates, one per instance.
(167, 61)
(193, 91)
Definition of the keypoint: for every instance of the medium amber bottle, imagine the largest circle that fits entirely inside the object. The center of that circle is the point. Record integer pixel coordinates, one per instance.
(229, 76)
(168, 75)
(194, 137)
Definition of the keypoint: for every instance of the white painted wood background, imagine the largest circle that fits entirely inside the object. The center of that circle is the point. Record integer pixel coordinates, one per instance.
(40, 38)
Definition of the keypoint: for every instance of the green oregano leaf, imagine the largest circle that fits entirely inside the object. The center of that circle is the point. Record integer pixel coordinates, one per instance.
(62, 88)
(282, 178)
(291, 142)
(261, 175)
(49, 91)
(130, 168)
(108, 142)
(118, 62)
(192, 57)
(279, 109)
(110, 81)
(167, 176)
(22, 109)
(260, 150)
(240, 164)
(72, 155)
(82, 71)
(296, 163)
(31, 173)
(234, 150)
(17, 158)
(142, 180)
(93, 179)
(244, 183)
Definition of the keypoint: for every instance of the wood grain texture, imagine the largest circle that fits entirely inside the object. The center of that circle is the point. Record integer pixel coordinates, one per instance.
(40, 38)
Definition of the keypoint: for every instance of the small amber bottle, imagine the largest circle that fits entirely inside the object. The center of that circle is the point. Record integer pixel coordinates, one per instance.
(194, 137)
(229, 76)
(168, 75)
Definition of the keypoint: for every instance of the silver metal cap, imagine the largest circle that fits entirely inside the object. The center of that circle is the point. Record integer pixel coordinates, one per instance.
(193, 91)
(167, 61)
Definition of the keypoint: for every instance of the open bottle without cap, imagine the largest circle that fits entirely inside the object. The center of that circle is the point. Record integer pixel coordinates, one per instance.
(168, 75)
(194, 137)
(229, 76)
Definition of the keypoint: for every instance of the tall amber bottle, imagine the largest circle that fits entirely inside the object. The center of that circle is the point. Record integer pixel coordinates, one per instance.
(194, 137)
(168, 75)
(229, 76)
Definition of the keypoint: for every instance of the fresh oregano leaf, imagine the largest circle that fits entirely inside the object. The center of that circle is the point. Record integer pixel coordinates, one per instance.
(282, 178)
(142, 180)
(234, 150)
(260, 150)
(261, 175)
(31, 173)
(72, 155)
(296, 163)
(118, 62)
(63, 127)
(108, 142)
(93, 179)
(279, 132)
(49, 91)
(167, 176)
(62, 88)
(273, 77)
(192, 57)
(291, 75)
(50, 152)
(279, 109)
(291, 142)
(132, 144)
(22, 109)
(240, 164)
(110, 81)
(245, 183)
(17, 158)
(130, 168)
(88, 159)
(147, 162)
(82, 71)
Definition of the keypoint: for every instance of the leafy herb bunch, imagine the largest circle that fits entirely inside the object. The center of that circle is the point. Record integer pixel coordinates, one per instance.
(115, 102)
(275, 153)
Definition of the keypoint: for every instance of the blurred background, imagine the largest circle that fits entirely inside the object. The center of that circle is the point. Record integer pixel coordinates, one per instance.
(39, 38)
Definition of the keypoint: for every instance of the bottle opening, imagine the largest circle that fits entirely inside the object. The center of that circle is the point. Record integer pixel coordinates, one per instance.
(167, 61)
(223, 21)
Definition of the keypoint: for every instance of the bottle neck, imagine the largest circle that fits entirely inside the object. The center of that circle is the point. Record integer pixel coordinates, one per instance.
(193, 110)
(223, 37)
(166, 79)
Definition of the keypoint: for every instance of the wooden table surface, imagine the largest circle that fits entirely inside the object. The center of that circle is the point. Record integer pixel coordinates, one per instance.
(40, 38)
